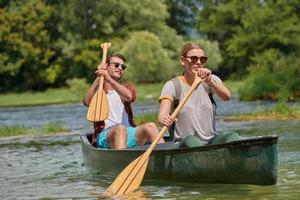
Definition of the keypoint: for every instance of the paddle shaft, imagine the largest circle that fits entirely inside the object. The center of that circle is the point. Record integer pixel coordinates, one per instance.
(104, 54)
(131, 177)
(101, 81)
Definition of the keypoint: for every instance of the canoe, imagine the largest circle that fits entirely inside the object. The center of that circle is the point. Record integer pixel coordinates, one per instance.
(247, 161)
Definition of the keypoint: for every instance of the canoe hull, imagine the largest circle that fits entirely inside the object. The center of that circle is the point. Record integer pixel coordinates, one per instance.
(249, 161)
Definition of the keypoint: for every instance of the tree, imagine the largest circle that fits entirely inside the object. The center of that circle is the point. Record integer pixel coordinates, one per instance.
(25, 50)
(148, 61)
(245, 29)
(182, 15)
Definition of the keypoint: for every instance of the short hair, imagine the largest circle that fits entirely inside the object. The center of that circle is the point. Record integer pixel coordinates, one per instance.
(116, 55)
(189, 46)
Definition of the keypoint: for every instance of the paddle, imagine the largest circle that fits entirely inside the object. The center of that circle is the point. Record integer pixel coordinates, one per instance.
(98, 108)
(131, 177)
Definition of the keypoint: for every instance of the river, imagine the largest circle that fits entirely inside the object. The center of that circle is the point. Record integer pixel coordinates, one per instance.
(51, 167)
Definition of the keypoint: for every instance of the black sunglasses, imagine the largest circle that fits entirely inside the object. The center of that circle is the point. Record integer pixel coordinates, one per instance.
(117, 65)
(195, 59)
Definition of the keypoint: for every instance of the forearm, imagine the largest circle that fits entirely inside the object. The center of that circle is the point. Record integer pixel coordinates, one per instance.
(164, 112)
(91, 91)
(221, 91)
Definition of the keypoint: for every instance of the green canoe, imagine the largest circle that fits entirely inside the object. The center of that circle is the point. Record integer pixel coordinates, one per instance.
(248, 161)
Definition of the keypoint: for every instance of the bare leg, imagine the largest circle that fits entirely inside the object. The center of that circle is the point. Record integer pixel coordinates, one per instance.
(147, 132)
(117, 137)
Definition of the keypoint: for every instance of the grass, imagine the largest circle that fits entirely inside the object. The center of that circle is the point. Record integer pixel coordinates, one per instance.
(279, 112)
(51, 128)
(141, 119)
(148, 91)
(65, 95)
(51, 96)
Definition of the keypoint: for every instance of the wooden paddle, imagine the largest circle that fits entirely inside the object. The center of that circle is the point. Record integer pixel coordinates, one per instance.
(98, 108)
(131, 177)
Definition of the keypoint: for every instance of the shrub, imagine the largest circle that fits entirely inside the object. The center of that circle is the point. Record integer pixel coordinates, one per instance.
(148, 61)
(273, 79)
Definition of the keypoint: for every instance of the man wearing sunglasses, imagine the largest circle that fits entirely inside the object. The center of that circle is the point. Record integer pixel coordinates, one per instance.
(118, 131)
(195, 124)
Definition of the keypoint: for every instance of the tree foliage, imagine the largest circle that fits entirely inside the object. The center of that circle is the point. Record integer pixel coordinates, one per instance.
(276, 78)
(44, 43)
(182, 15)
(25, 50)
(245, 29)
(148, 62)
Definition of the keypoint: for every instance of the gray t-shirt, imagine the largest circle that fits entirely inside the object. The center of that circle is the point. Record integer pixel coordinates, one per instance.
(196, 116)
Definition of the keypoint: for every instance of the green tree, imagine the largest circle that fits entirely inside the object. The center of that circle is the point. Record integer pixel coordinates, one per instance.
(245, 29)
(182, 15)
(275, 78)
(25, 52)
(84, 22)
(147, 60)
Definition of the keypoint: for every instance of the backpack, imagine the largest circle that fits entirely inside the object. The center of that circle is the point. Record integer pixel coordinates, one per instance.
(177, 87)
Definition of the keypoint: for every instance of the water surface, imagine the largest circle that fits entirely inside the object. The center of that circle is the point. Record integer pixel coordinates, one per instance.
(52, 167)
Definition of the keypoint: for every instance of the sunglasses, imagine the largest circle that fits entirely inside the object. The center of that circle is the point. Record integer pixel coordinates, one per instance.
(117, 65)
(194, 59)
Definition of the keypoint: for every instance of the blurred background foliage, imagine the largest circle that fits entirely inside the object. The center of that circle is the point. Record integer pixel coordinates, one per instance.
(51, 43)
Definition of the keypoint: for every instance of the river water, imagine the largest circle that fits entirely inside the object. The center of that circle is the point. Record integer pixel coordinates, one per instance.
(51, 167)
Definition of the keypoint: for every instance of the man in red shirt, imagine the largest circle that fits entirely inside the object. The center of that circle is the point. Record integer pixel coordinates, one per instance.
(118, 131)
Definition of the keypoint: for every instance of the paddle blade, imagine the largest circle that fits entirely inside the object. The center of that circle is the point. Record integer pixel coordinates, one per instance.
(98, 108)
(130, 178)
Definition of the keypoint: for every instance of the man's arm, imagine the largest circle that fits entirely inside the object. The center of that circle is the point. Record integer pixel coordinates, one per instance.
(123, 91)
(90, 93)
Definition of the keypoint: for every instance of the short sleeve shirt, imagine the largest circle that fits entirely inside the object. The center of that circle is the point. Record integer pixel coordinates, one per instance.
(196, 116)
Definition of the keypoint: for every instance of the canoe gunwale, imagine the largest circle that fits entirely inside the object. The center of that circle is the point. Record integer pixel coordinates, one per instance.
(271, 139)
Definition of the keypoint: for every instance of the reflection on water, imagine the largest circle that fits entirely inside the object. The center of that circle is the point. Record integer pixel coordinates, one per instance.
(52, 168)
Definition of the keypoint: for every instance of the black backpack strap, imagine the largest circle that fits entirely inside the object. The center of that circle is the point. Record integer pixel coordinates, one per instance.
(177, 87)
(214, 110)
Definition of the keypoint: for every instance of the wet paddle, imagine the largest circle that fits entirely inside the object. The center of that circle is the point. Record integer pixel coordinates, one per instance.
(131, 177)
(98, 108)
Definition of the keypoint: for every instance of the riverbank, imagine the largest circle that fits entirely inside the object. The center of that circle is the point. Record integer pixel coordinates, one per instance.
(68, 95)
(144, 92)
(282, 114)
(281, 111)
(63, 118)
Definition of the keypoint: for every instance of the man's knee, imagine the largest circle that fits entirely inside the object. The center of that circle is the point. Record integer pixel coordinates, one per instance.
(150, 127)
(120, 128)
(118, 132)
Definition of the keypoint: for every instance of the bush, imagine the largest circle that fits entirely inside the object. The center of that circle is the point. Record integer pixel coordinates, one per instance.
(77, 86)
(273, 79)
(148, 61)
